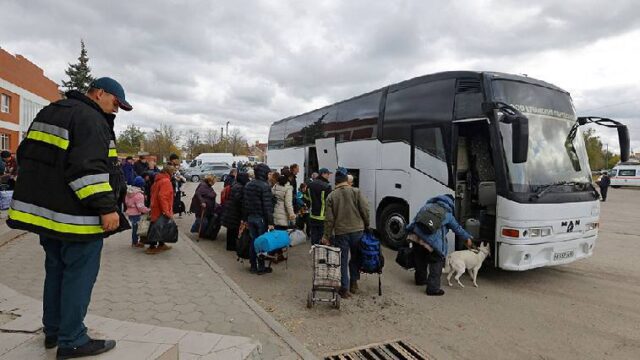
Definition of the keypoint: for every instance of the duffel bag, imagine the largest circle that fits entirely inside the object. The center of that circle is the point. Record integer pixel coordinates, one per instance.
(163, 230)
(405, 259)
(271, 241)
(297, 237)
(212, 229)
(243, 245)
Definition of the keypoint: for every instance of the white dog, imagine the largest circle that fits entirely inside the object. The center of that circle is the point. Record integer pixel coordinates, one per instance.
(463, 260)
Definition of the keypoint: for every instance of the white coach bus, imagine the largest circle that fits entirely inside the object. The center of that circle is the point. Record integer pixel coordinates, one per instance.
(504, 145)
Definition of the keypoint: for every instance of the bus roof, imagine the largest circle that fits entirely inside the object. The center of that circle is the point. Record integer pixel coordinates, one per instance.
(441, 76)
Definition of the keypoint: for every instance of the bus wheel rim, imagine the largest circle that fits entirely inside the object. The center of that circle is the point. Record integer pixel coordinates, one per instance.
(394, 227)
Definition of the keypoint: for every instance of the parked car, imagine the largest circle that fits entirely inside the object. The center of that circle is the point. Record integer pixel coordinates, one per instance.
(196, 173)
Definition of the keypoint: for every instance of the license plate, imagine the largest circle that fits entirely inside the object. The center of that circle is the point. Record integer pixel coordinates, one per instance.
(563, 255)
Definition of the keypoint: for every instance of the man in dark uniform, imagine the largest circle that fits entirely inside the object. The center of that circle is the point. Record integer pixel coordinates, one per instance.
(318, 191)
(68, 193)
(604, 183)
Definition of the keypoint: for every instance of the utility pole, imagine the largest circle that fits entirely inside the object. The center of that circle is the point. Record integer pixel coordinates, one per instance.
(226, 149)
(606, 158)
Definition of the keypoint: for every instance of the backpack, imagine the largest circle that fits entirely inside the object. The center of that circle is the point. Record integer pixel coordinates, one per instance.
(225, 194)
(430, 219)
(370, 258)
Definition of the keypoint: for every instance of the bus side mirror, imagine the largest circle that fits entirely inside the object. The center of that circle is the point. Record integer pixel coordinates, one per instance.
(520, 139)
(623, 137)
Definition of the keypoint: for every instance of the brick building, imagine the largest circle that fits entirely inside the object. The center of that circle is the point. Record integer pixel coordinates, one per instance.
(24, 90)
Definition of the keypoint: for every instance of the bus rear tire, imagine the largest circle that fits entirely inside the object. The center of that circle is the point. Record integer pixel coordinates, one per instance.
(391, 227)
(616, 186)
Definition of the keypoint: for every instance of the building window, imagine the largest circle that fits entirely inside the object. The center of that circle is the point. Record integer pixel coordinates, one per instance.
(5, 141)
(5, 102)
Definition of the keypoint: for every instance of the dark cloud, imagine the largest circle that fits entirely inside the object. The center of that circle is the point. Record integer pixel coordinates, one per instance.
(199, 64)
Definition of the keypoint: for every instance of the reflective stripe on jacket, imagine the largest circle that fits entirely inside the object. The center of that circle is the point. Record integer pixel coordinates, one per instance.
(318, 191)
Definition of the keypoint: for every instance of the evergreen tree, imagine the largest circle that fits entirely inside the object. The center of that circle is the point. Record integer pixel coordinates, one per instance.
(80, 73)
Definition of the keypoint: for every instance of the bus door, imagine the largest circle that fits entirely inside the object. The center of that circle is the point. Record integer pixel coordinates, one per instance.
(327, 155)
(474, 178)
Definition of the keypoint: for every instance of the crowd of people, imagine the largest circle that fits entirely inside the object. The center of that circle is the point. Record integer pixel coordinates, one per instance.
(259, 199)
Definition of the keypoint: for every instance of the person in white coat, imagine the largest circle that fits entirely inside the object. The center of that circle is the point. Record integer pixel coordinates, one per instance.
(283, 213)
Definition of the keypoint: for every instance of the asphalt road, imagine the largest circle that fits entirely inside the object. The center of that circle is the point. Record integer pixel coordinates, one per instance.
(585, 310)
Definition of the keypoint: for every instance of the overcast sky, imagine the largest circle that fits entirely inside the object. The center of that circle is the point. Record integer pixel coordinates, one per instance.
(201, 63)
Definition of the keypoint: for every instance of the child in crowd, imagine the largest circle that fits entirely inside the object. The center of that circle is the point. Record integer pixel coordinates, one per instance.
(135, 208)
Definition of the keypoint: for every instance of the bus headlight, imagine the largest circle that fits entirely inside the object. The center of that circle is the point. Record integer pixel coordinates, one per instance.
(591, 226)
(540, 232)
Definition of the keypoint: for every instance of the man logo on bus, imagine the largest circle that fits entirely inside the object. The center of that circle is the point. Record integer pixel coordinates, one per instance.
(570, 225)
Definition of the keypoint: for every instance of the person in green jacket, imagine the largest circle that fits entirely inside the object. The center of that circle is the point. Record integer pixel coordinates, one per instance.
(346, 218)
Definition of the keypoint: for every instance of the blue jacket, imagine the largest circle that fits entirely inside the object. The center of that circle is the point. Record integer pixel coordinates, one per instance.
(129, 173)
(438, 240)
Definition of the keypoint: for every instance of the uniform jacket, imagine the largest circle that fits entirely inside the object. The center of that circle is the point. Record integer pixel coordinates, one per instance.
(68, 177)
(161, 197)
(284, 204)
(135, 201)
(438, 240)
(318, 191)
(347, 211)
(257, 199)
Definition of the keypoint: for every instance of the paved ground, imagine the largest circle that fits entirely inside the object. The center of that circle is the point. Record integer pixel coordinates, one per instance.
(173, 289)
(21, 337)
(585, 310)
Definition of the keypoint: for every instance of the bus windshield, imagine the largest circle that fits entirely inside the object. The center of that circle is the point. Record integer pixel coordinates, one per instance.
(554, 157)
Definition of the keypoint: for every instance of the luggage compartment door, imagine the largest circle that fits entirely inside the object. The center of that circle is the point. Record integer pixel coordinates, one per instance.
(327, 155)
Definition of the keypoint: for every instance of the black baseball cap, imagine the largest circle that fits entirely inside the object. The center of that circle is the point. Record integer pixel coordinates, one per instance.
(114, 88)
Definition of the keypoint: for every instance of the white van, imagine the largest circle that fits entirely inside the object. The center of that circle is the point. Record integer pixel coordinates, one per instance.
(226, 158)
(625, 174)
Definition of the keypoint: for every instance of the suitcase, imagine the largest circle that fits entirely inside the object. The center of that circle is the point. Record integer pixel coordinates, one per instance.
(271, 241)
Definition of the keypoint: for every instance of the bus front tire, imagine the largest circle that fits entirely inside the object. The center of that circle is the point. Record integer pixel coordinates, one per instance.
(391, 228)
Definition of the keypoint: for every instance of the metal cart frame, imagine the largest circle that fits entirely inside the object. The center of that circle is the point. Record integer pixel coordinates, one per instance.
(326, 277)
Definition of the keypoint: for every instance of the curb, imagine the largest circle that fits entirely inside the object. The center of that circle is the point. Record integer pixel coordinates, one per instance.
(275, 326)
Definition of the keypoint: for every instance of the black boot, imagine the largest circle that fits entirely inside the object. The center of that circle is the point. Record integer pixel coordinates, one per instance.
(93, 347)
(50, 342)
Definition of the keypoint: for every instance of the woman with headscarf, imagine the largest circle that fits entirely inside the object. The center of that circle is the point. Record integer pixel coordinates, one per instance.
(203, 202)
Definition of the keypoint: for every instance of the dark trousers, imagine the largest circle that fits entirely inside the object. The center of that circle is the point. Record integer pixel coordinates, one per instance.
(424, 260)
(71, 271)
(257, 227)
(348, 243)
(232, 238)
(603, 192)
(316, 230)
